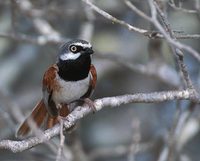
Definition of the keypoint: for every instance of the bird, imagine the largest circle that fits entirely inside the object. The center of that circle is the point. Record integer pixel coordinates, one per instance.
(72, 78)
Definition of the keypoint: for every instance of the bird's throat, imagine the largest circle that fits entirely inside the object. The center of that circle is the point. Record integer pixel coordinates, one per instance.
(74, 70)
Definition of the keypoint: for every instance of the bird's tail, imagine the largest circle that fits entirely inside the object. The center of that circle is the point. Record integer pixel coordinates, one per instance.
(52, 120)
(40, 116)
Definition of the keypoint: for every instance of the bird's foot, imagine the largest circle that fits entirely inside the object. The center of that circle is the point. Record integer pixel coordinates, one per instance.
(90, 103)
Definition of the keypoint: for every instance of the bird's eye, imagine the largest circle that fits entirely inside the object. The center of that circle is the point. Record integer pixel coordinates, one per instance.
(73, 48)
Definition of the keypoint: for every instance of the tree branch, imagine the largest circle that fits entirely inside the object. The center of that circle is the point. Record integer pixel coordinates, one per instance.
(177, 51)
(149, 34)
(81, 111)
(170, 40)
(39, 40)
(172, 4)
(162, 33)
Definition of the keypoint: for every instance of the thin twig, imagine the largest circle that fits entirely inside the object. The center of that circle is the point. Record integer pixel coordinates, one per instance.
(187, 36)
(42, 25)
(13, 16)
(171, 4)
(168, 38)
(172, 137)
(169, 152)
(136, 10)
(162, 72)
(177, 51)
(40, 40)
(135, 141)
(87, 29)
(162, 33)
(119, 150)
(114, 19)
(62, 141)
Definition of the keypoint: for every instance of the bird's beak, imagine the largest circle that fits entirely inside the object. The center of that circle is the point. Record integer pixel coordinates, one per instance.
(89, 51)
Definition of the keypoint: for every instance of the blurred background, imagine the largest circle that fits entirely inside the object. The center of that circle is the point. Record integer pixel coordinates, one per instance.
(31, 32)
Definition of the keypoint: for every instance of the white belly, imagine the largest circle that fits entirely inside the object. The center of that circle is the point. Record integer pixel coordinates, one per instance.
(71, 90)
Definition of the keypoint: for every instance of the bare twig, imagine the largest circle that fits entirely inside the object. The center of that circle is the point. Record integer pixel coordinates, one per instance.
(41, 25)
(169, 152)
(143, 15)
(176, 51)
(40, 40)
(175, 142)
(119, 150)
(81, 111)
(162, 33)
(78, 148)
(163, 154)
(114, 19)
(183, 68)
(187, 36)
(135, 141)
(150, 34)
(168, 37)
(162, 72)
(87, 28)
(172, 4)
(48, 34)
(136, 10)
(62, 140)
(13, 16)
(172, 137)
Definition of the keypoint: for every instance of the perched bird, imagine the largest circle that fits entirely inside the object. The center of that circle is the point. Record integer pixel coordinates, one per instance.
(72, 78)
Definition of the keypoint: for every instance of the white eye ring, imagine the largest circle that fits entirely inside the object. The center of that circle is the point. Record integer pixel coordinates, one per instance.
(73, 48)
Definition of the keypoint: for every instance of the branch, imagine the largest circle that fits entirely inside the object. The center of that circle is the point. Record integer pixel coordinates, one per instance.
(42, 25)
(162, 72)
(176, 51)
(170, 40)
(162, 33)
(81, 111)
(118, 151)
(172, 4)
(114, 19)
(168, 76)
(40, 40)
(149, 34)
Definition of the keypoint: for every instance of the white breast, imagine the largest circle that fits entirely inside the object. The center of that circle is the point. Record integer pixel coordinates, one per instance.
(70, 90)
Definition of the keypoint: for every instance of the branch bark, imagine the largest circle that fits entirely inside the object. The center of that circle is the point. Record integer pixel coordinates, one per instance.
(147, 33)
(81, 111)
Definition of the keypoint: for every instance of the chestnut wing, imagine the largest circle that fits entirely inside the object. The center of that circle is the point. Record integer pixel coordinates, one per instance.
(50, 85)
(93, 81)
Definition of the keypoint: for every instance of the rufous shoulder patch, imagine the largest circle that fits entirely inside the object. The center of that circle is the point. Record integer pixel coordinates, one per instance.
(93, 73)
(49, 79)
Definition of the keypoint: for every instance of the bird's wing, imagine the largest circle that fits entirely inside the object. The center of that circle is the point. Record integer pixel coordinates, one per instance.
(49, 85)
(93, 81)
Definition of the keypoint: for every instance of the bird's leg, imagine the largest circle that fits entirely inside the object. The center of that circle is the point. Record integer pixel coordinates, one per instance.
(61, 117)
(90, 103)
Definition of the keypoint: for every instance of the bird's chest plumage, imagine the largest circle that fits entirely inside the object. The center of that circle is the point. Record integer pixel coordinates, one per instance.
(70, 91)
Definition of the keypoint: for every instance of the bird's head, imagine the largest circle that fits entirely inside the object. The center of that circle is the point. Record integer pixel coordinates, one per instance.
(74, 50)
